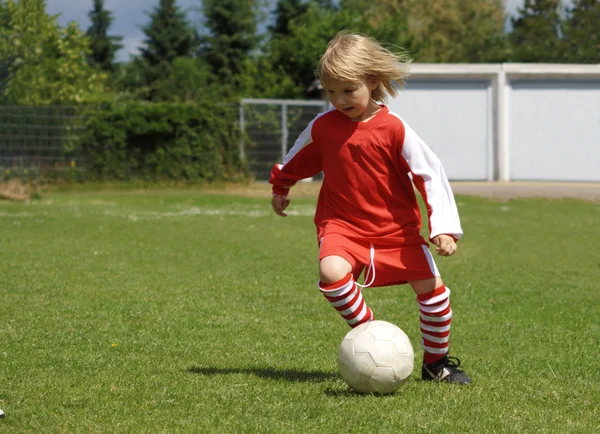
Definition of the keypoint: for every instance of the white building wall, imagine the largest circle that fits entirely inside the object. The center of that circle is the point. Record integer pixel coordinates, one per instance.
(500, 121)
(554, 130)
(455, 120)
(508, 121)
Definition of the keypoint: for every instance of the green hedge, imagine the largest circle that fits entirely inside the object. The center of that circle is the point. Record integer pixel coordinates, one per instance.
(162, 141)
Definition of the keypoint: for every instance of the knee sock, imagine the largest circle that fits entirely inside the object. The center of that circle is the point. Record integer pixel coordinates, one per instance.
(436, 317)
(347, 299)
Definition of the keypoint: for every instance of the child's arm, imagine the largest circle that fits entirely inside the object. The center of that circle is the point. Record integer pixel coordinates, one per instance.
(279, 204)
(431, 181)
(445, 245)
(302, 161)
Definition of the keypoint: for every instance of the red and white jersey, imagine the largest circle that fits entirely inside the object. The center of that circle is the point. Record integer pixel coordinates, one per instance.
(367, 192)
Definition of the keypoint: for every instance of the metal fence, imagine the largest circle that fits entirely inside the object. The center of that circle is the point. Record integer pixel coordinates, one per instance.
(39, 137)
(271, 127)
(43, 137)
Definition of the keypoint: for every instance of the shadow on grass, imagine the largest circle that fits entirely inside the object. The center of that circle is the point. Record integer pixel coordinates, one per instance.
(272, 373)
(289, 375)
(349, 393)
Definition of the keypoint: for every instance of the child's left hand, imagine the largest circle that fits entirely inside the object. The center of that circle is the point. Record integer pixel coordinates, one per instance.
(446, 246)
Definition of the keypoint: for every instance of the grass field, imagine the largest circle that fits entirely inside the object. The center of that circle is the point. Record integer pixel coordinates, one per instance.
(186, 311)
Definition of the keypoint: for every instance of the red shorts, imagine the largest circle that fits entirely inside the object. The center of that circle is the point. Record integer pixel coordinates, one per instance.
(393, 265)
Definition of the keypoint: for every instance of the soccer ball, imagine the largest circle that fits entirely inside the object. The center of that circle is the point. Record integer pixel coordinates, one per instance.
(376, 357)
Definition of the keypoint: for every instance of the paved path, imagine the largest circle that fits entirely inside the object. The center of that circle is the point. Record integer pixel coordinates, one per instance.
(510, 190)
(492, 190)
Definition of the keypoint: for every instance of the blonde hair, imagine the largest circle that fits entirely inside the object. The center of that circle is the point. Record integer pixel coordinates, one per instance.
(353, 57)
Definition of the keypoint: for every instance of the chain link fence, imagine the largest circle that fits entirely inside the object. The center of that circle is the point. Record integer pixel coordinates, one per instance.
(271, 126)
(43, 138)
(39, 137)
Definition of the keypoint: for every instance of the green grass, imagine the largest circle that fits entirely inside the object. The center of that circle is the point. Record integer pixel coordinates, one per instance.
(182, 311)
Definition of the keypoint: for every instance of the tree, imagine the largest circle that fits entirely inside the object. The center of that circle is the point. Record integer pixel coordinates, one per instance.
(582, 32)
(441, 27)
(231, 38)
(189, 81)
(6, 62)
(297, 54)
(326, 4)
(263, 78)
(285, 12)
(168, 36)
(4, 16)
(438, 31)
(536, 32)
(49, 62)
(428, 30)
(103, 47)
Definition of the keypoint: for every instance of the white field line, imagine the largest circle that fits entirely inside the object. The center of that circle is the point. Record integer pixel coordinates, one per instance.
(205, 211)
(16, 214)
(250, 211)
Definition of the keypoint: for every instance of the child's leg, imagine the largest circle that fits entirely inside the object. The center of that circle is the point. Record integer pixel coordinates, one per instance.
(339, 288)
(436, 316)
(434, 305)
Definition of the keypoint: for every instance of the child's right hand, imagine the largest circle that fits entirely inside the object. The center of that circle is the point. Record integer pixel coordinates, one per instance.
(279, 203)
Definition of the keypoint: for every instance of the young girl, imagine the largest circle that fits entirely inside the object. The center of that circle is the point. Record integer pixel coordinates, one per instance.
(367, 214)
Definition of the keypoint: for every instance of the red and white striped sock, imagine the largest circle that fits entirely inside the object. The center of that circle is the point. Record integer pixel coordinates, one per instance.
(436, 317)
(347, 299)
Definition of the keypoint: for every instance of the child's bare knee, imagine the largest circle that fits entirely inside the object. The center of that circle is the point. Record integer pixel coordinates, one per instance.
(333, 268)
(427, 285)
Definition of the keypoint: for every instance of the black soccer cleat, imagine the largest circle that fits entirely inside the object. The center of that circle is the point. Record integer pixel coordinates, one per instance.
(445, 370)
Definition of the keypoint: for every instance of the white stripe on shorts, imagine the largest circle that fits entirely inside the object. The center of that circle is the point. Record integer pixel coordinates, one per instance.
(430, 260)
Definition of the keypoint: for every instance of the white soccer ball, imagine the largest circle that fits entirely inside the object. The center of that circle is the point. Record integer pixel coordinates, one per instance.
(376, 357)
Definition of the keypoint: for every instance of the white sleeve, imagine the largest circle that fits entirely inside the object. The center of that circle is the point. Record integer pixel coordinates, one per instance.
(304, 139)
(431, 181)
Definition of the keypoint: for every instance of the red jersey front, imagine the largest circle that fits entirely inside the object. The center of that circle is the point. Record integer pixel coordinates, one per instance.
(367, 192)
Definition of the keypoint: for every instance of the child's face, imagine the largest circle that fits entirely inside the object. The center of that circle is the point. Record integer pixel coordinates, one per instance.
(353, 98)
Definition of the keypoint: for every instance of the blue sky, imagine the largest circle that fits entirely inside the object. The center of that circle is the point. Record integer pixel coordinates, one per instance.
(130, 16)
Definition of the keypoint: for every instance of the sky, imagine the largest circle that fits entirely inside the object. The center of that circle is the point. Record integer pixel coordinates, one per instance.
(130, 16)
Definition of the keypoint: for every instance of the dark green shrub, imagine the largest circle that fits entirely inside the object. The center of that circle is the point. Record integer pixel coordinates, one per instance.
(162, 141)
